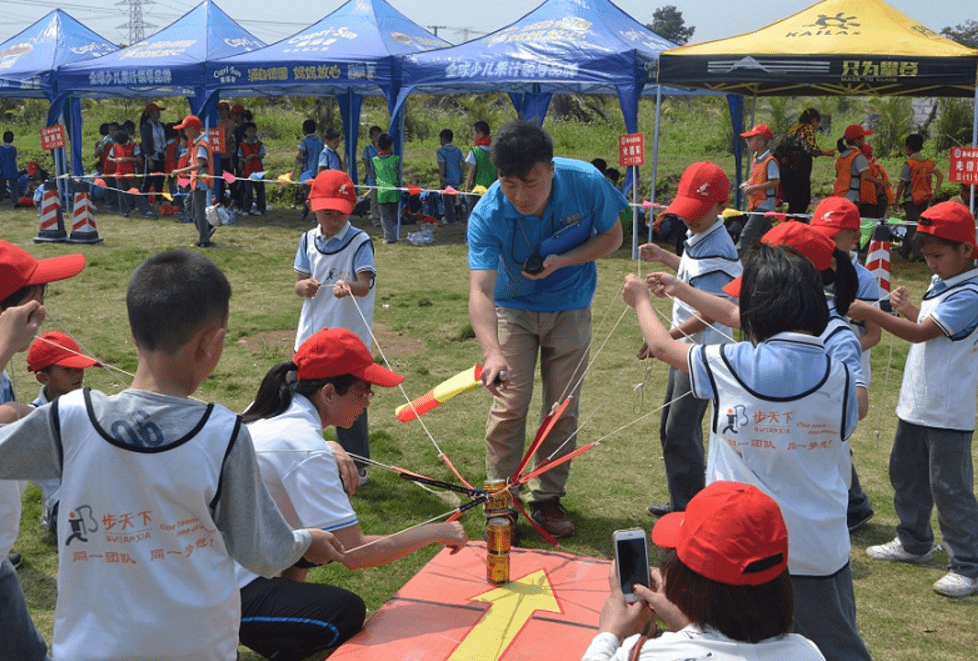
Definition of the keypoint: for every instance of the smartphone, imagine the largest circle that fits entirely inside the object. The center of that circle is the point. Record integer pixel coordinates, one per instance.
(632, 560)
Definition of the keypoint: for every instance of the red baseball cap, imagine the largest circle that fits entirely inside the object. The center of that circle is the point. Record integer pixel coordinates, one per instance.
(762, 130)
(854, 131)
(57, 348)
(153, 106)
(190, 122)
(237, 109)
(336, 351)
(333, 189)
(867, 150)
(949, 220)
(223, 104)
(834, 214)
(18, 268)
(731, 532)
(702, 185)
(809, 242)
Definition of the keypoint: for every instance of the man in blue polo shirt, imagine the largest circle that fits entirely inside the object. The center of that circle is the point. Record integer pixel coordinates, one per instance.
(533, 239)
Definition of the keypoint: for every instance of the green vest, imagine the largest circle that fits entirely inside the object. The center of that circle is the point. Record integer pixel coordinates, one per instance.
(386, 170)
(485, 174)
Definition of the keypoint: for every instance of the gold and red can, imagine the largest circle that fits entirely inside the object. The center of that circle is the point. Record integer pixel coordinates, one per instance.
(499, 536)
(497, 568)
(498, 501)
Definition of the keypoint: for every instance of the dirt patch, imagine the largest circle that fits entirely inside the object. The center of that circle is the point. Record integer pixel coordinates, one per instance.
(280, 342)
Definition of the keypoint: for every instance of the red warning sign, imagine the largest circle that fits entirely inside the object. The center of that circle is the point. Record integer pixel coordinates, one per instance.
(964, 165)
(53, 137)
(631, 149)
(449, 611)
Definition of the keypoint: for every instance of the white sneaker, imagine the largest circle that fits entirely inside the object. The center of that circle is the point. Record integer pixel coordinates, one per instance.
(893, 551)
(956, 585)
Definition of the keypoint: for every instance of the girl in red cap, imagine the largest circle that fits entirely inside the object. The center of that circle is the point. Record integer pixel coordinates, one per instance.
(852, 168)
(328, 382)
(722, 588)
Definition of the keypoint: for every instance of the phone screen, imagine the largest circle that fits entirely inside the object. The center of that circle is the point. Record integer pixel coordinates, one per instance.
(633, 563)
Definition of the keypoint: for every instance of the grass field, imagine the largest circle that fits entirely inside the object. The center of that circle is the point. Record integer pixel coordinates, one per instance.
(422, 328)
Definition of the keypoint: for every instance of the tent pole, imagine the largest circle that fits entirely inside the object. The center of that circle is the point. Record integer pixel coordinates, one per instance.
(655, 172)
(974, 143)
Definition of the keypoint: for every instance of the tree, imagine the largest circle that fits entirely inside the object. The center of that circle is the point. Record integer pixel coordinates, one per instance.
(668, 22)
(965, 34)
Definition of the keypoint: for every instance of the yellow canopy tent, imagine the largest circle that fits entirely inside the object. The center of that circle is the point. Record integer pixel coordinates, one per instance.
(832, 47)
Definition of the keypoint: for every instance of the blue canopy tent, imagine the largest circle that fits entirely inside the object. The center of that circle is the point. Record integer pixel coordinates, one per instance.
(30, 59)
(352, 52)
(562, 46)
(172, 62)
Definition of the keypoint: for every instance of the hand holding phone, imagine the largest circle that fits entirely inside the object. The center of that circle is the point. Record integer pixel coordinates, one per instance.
(632, 560)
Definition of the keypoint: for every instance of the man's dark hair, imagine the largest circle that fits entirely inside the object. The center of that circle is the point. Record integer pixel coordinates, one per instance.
(447, 135)
(171, 296)
(748, 613)
(482, 127)
(915, 142)
(331, 134)
(781, 291)
(309, 126)
(518, 147)
(8, 136)
(384, 141)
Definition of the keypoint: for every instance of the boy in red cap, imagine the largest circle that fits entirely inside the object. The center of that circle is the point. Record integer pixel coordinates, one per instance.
(335, 261)
(761, 187)
(197, 171)
(59, 366)
(708, 263)
(23, 280)
(931, 462)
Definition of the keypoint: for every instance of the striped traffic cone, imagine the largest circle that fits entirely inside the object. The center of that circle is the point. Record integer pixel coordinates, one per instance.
(83, 228)
(878, 261)
(52, 227)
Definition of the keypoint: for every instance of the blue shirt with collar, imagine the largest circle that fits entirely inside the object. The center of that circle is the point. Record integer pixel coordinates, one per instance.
(582, 204)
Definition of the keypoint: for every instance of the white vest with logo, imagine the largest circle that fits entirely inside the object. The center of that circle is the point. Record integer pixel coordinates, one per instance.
(140, 555)
(941, 374)
(791, 448)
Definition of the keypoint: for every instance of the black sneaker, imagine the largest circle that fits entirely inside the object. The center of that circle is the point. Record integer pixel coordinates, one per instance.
(660, 509)
(854, 521)
(16, 559)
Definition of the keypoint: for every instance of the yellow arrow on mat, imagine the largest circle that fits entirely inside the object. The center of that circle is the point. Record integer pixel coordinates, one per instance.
(512, 607)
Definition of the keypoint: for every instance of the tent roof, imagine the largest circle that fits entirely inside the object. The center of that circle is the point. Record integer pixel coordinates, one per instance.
(168, 63)
(561, 46)
(832, 47)
(28, 60)
(354, 46)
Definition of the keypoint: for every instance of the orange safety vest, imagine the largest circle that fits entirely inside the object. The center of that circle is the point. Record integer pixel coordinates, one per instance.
(125, 169)
(758, 175)
(201, 141)
(843, 174)
(254, 165)
(920, 190)
(170, 163)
